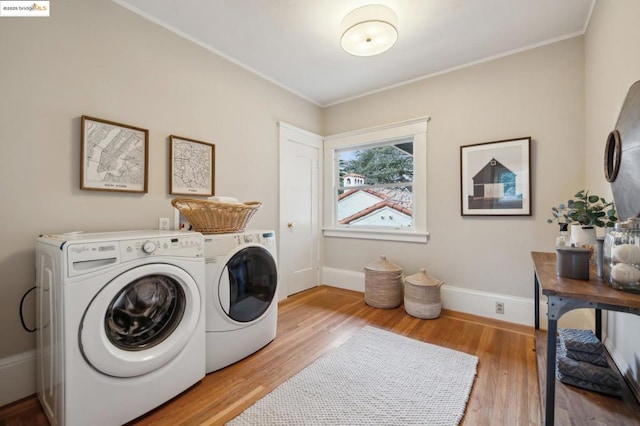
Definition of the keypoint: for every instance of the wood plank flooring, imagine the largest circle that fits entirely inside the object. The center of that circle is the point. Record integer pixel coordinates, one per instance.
(310, 323)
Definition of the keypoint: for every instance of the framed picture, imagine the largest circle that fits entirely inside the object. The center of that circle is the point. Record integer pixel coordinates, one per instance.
(496, 178)
(192, 167)
(114, 156)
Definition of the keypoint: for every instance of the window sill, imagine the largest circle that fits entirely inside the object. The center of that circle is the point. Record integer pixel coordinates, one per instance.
(370, 234)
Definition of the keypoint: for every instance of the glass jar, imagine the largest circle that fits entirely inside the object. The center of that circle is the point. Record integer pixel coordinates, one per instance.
(621, 266)
(562, 240)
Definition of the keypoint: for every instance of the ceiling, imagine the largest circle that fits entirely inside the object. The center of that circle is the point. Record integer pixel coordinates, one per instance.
(296, 43)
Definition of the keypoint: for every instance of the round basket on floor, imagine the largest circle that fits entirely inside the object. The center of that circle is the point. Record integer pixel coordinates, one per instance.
(383, 284)
(422, 295)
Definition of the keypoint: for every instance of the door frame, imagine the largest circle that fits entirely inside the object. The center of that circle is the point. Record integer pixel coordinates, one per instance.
(314, 141)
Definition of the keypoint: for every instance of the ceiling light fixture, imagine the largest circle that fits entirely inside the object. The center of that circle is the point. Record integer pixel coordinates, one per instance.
(369, 30)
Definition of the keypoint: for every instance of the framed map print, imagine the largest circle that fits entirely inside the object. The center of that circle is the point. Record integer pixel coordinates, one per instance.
(114, 156)
(192, 167)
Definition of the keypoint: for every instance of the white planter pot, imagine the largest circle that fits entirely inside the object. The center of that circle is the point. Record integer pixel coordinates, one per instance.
(581, 235)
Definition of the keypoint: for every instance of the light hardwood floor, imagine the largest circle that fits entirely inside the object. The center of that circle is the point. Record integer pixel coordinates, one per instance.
(505, 391)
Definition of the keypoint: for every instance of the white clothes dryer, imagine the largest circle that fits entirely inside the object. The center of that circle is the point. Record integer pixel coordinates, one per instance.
(242, 287)
(120, 319)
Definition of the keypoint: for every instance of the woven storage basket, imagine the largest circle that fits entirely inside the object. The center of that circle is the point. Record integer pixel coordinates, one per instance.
(213, 217)
(383, 284)
(422, 295)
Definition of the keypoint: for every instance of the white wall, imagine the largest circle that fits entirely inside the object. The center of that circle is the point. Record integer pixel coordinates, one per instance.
(612, 65)
(537, 93)
(94, 57)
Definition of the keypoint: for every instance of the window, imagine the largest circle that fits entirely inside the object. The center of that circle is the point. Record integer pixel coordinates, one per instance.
(375, 183)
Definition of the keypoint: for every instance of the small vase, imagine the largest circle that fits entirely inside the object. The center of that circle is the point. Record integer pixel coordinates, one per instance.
(583, 235)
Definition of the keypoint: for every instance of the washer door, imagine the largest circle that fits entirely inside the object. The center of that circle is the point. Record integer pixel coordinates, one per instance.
(140, 320)
(248, 284)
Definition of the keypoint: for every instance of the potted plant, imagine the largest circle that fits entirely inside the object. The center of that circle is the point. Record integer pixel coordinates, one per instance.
(584, 213)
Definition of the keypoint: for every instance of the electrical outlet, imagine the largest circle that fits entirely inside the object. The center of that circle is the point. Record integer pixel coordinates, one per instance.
(163, 223)
(499, 308)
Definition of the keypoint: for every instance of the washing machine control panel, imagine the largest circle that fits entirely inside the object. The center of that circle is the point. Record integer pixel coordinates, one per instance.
(86, 257)
(149, 247)
(222, 244)
(178, 245)
(266, 238)
(83, 258)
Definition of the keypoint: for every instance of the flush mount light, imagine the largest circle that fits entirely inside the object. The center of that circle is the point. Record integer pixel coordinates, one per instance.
(369, 30)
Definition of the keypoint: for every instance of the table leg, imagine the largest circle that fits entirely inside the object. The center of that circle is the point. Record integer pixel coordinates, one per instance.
(551, 371)
(599, 324)
(536, 301)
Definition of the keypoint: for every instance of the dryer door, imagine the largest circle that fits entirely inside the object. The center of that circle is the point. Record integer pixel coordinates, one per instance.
(248, 283)
(140, 320)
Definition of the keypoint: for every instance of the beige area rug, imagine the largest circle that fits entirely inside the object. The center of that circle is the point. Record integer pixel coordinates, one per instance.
(374, 378)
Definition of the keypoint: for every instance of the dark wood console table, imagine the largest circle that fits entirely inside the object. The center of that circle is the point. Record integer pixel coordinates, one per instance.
(563, 295)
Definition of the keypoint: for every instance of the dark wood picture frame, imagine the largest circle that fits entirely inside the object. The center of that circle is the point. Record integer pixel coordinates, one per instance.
(495, 178)
(113, 156)
(192, 166)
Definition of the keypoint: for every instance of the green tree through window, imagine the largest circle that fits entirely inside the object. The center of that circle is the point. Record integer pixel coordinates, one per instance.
(379, 165)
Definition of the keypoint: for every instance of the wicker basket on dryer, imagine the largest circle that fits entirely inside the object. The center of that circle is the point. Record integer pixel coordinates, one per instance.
(383, 284)
(422, 295)
(214, 217)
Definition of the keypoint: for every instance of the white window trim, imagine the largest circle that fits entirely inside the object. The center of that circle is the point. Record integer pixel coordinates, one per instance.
(416, 128)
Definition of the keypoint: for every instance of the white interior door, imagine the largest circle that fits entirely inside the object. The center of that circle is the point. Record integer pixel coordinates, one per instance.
(299, 256)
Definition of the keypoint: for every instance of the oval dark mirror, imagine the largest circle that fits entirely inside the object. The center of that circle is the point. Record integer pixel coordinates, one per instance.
(612, 154)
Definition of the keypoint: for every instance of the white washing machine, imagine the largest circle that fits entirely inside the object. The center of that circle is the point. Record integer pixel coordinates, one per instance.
(242, 295)
(120, 323)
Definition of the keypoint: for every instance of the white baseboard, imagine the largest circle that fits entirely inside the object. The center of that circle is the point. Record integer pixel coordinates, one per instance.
(17, 377)
(517, 310)
(342, 278)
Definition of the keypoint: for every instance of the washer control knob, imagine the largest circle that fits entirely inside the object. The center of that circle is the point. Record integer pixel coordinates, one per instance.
(149, 247)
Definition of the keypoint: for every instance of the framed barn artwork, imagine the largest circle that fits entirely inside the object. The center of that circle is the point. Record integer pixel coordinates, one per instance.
(495, 178)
